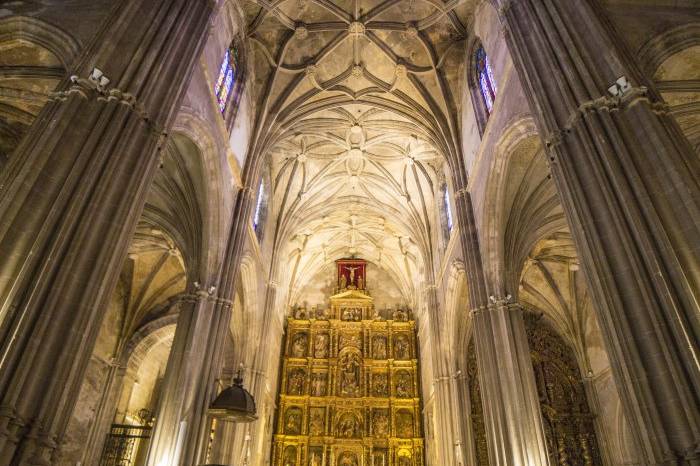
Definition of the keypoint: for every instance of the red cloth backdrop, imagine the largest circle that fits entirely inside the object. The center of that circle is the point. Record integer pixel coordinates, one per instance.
(344, 270)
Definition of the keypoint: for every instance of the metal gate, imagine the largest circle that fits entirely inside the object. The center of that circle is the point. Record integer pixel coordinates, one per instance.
(126, 445)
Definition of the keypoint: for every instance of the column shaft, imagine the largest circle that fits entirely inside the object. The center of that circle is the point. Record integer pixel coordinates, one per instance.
(512, 414)
(629, 184)
(70, 199)
(180, 434)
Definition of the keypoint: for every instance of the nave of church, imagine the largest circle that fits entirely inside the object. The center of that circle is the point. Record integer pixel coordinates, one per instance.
(350, 233)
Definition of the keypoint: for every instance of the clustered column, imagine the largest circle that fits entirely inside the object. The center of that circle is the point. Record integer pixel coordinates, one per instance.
(628, 180)
(509, 395)
(70, 198)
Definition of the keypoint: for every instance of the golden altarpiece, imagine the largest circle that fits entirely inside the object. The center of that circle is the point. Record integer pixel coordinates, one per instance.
(349, 391)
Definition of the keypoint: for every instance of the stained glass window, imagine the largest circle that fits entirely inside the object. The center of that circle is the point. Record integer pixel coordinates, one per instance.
(228, 74)
(448, 209)
(258, 207)
(487, 84)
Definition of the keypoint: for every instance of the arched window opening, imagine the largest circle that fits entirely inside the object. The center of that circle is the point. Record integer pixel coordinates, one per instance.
(448, 209)
(229, 82)
(260, 211)
(487, 84)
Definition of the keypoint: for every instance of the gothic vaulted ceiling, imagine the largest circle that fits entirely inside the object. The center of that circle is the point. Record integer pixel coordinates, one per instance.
(356, 116)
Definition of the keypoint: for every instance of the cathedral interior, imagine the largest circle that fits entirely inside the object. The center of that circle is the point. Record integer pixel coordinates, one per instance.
(350, 232)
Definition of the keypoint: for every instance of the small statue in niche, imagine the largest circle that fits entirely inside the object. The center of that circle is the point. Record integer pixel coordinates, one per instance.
(360, 283)
(347, 314)
(343, 282)
(376, 316)
(299, 345)
(404, 424)
(403, 385)
(290, 456)
(293, 422)
(300, 313)
(347, 427)
(380, 423)
(296, 382)
(321, 345)
(381, 385)
(379, 347)
(316, 422)
(347, 459)
(315, 459)
(318, 385)
(400, 315)
(404, 461)
(350, 374)
(401, 347)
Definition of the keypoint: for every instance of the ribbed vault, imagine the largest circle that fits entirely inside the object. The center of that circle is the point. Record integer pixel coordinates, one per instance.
(356, 118)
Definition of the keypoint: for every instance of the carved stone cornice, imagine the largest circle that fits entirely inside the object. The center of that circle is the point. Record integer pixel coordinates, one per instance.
(89, 89)
(632, 97)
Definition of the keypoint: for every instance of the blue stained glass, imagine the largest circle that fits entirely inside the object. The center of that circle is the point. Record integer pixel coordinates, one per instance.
(487, 83)
(483, 81)
(227, 78)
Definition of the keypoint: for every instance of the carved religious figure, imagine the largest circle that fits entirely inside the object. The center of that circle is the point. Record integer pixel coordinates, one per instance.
(347, 459)
(299, 345)
(343, 282)
(380, 423)
(349, 374)
(401, 350)
(347, 426)
(296, 382)
(292, 423)
(321, 345)
(379, 347)
(380, 385)
(290, 456)
(399, 315)
(404, 461)
(352, 274)
(316, 422)
(403, 384)
(404, 424)
(315, 459)
(318, 385)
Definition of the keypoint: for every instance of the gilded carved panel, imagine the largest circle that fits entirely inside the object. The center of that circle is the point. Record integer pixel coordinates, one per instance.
(349, 392)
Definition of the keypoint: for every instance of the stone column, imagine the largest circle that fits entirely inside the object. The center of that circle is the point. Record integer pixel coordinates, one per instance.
(70, 199)
(508, 391)
(180, 433)
(509, 394)
(445, 411)
(629, 184)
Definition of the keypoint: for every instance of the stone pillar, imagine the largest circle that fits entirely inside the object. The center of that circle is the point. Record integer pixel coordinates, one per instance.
(181, 431)
(70, 199)
(104, 414)
(508, 390)
(445, 411)
(182, 425)
(629, 184)
(509, 395)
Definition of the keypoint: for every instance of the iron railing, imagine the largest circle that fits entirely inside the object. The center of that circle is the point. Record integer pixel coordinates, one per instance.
(126, 445)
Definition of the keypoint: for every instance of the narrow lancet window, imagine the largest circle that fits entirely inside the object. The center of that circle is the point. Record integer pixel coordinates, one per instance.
(448, 209)
(259, 208)
(228, 76)
(487, 84)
